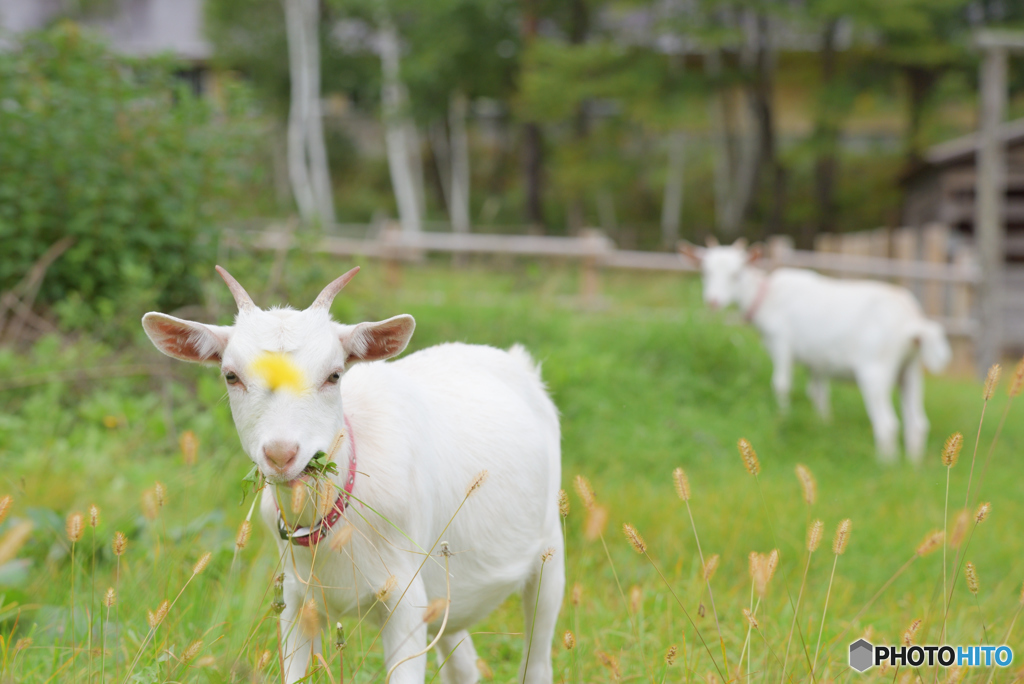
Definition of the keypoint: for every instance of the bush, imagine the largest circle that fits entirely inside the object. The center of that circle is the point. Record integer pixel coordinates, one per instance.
(121, 155)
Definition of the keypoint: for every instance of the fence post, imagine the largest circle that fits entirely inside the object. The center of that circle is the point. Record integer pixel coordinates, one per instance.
(935, 250)
(964, 260)
(879, 243)
(595, 245)
(779, 249)
(391, 249)
(904, 248)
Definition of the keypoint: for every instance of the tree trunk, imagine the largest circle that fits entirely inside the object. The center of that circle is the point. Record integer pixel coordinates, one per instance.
(826, 137)
(459, 147)
(319, 172)
(298, 115)
(672, 205)
(921, 83)
(396, 131)
(533, 139)
(762, 94)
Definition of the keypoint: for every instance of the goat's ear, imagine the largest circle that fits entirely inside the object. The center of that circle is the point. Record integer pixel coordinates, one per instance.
(377, 341)
(754, 253)
(690, 250)
(186, 340)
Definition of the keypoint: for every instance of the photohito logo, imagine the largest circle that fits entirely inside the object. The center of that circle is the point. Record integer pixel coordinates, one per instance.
(865, 655)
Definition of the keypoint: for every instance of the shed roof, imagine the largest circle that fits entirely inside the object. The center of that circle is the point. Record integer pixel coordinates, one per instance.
(964, 149)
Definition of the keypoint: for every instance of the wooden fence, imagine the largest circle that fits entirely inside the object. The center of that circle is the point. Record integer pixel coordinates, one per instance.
(941, 272)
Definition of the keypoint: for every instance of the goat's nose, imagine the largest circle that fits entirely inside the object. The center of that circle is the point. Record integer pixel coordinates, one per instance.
(280, 454)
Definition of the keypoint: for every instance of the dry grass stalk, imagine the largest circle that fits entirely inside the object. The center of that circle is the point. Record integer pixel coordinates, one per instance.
(814, 535)
(682, 484)
(749, 457)
(154, 618)
(839, 543)
(298, 497)
(992, 380)
(563, 503)
(263, 660)
(484, 669)
(951, 449)
(807, 483)
(568, 640)
(585, 492)
(610, 663)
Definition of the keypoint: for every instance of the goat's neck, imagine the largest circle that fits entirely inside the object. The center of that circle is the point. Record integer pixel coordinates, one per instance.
(752, 280)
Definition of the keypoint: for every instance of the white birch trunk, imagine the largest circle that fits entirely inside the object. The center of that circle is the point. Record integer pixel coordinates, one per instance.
(320, 174)
(458, 209)
(672, 205)
(437, 134)
(298, 116)
(396, 131)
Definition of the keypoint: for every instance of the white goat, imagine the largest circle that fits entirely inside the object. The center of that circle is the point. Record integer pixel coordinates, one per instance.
(872, 332)
(421, 429)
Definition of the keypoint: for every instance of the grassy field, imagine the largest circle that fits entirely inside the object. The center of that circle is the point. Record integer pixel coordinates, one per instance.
(646, 382)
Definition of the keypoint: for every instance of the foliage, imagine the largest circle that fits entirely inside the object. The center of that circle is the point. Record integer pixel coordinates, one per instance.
(650, 382)
(120, 155)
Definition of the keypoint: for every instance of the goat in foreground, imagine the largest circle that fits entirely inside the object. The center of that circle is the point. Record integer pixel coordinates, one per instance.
(408, 437)
(872, 332)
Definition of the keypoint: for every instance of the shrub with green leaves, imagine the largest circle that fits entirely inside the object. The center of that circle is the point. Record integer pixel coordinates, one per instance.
(121, 155)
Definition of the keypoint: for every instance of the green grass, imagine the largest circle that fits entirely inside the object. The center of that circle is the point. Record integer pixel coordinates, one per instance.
(646, 381)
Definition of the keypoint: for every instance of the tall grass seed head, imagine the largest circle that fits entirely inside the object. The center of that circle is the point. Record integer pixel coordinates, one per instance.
(960, 526)
(110, 598)
(385, 590)
(263, 660)
(189, 444)
(908, 635)
(189, 654)
(842, 538)
(749, 457)
(242, 538)
(160, 492)
(682, 483)
(341, 538)
(611, 663)
(201, 564)
(814, 534)
(155, 617)
(751, 620)
(807, 483)
(639, 545)
(597, 520)
(150, 509)
(585, 491)
(711, 567)
(94, 516)
(5, 506)
(119, 544)
(299, 497)
(477, 482)
(434, 610)
(982, 512)
(992, 380)
(1017, 383)
(73, 526)
(563, 503)
(636, 599)
(577, 594)
(951, 449)
(484, 669)
(670, 655)
(309, 619)
(971, 575)
(932, 541)
(568, 640)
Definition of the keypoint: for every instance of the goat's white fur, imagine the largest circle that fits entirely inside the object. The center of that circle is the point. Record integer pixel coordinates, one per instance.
(424, 427)
(872, 332)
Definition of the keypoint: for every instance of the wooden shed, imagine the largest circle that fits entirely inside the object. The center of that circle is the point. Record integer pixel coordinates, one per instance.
(942, 190)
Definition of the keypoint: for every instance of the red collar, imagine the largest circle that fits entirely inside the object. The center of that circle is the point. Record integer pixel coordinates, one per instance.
(322, 528)
(762, 292)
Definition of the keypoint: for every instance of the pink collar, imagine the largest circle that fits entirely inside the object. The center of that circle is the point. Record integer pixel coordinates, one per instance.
(762, 292)
(321, 529)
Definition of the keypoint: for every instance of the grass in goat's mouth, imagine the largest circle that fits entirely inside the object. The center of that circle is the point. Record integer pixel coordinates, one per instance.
(318, 467)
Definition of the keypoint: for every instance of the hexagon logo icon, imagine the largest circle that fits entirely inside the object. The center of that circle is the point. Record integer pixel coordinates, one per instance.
(861, 655)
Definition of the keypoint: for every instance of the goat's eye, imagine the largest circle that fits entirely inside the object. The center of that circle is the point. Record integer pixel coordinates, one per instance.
(333, 378)
(231, 378)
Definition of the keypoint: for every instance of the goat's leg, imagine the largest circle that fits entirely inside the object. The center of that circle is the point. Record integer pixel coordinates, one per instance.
(542, 600)
(876, 385)
(405, 633)
(915, 421)
(296, 648)
(782, 373)
(818, 391)
(457, 654)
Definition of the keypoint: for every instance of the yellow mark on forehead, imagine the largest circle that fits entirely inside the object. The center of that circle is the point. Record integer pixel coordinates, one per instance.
(279, 371)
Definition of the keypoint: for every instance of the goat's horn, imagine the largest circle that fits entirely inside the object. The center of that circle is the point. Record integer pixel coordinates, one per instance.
(242, 299)
(326, 297)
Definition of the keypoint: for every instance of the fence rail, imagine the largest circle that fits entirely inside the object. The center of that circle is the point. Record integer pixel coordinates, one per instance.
(918, 259)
